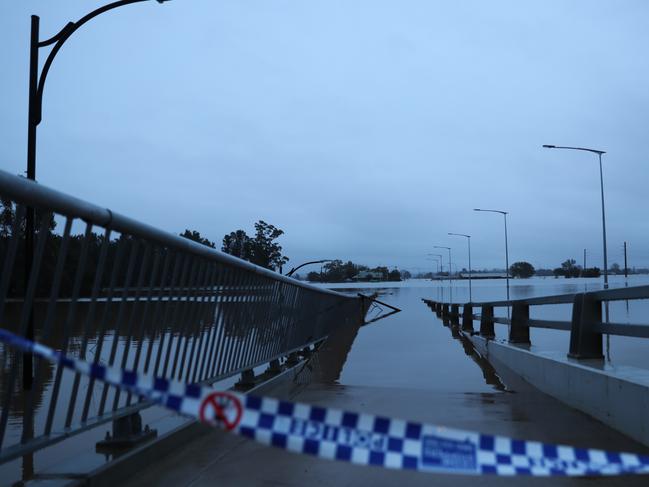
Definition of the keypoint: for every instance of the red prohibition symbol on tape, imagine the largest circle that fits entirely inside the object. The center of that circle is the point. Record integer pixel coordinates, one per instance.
(221, 408)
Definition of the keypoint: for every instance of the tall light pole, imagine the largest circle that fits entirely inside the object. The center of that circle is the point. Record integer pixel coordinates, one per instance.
(468, 239)
(504, 214)
(601, 187)
(436, 259)
(440, 264)
(449, 257)
(35, 109)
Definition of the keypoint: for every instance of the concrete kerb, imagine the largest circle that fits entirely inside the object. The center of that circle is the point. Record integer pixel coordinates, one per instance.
(616, 396)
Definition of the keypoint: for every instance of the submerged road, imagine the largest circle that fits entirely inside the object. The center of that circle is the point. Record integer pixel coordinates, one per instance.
(406, 366)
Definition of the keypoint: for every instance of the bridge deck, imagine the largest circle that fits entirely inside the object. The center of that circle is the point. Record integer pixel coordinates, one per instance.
(222, 459)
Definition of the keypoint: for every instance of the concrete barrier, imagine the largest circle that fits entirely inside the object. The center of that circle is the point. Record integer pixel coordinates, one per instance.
(617, 396)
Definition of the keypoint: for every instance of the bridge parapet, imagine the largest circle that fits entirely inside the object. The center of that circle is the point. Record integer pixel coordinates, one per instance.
(586, 326)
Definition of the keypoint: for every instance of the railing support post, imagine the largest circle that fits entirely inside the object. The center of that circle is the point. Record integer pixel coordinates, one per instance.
(455, 315)
(584, 342)
(438, 309)
(467, 318)
(487, 322)
(519, 330)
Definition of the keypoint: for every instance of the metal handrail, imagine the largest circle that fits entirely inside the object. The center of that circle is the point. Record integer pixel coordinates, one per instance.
(40, 196)
(151, 301)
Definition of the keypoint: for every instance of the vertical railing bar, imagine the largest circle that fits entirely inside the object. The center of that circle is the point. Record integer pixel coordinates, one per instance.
(143, 319)
(160, 304)
(10, 259)
(178, 275)
(272, 325)
(195, 318)
(218, 323)
(236, 321)
(225, 316)
(194, 355)
(278, 345)
(203, 327)
(135, 244)
(72, 310)
(255, 326)
(134, 312)
(242, 320)
(188, 268)
(211, 337)
(119, 254)
(51, 306)
(292, 323)
(254, 320)
(227, 322)
(89, 317)
(195, 277)
(26, 312)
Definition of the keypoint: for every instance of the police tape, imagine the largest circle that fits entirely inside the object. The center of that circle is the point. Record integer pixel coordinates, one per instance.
(358, 438)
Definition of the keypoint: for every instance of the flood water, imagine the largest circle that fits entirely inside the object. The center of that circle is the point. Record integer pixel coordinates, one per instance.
(412, 349)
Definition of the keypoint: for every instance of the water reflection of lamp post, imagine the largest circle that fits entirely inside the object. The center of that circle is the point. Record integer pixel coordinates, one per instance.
(468, 238)
(601, 187)
(504, 214)
(36, 86)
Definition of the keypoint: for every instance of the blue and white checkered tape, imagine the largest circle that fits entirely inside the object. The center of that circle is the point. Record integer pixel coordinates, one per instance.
(358, 438)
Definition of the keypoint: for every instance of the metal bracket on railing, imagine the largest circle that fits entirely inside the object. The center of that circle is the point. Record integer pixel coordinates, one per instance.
(393, 309)
(127, 432)
(585, 343)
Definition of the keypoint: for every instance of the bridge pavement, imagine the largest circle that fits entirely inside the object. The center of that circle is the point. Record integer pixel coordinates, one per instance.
(222, 459)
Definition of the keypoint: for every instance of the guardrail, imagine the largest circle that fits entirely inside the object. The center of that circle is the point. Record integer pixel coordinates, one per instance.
(586, 326)
(127, 294)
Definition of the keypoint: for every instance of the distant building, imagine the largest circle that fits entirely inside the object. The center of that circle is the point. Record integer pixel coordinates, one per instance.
(483, 275)
(368, 276)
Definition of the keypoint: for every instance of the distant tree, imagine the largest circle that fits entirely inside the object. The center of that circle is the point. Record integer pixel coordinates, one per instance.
(569, 268)
(394, 275)
(196, 237)
(313, 276)
(261, 249)
(521, 269)
(591, 272)
(406, 275)
(615, 268)
(237, 244)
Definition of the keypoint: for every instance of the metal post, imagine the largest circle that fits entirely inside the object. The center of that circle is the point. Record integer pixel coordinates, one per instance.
(601, 183)
(32, 122)
(506, 255)
(626, 267)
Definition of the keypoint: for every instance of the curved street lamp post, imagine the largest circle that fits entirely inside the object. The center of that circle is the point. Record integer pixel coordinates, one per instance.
(601, 187)
(36, 86)
(468, 239)
(449, 257)
(504, 214)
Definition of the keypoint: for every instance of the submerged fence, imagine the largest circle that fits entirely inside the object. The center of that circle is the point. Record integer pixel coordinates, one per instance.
(586, 325)
(110, 290)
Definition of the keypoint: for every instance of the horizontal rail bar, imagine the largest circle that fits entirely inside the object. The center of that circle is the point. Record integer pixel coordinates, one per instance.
(34, 194)
(622, 329)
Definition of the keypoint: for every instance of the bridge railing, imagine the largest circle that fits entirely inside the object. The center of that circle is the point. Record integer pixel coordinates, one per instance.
(586, 325)
(108, 289)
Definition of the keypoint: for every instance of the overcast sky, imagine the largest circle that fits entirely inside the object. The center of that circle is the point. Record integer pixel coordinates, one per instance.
(366, 130)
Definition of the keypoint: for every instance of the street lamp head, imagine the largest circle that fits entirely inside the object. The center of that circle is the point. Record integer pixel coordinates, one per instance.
(477, 209)
(548, 146)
